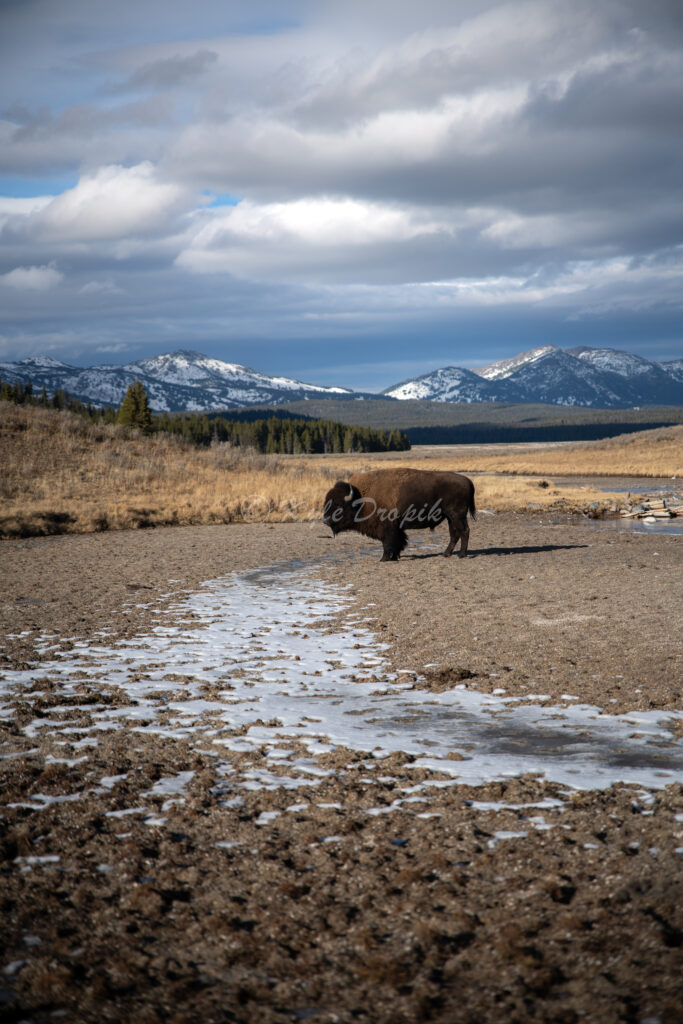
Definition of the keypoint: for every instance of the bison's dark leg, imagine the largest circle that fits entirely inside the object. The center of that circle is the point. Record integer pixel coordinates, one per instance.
(453, 540)
(464, 538)
(459, 530)
(393, 542)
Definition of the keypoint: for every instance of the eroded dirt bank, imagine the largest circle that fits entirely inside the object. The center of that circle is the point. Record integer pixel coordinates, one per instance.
(142, 879)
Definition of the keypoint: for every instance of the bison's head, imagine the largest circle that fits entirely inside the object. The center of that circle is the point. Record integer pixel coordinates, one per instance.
(341, 506)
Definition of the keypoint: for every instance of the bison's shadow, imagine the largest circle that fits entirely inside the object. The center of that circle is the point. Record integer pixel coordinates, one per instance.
(525, 549)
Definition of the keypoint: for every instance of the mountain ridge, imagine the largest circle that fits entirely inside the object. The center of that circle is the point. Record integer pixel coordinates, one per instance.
(180, 381)
(584, 376)
(187, 381)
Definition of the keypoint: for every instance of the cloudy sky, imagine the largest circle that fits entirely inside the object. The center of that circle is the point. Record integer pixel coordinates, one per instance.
(346, 193)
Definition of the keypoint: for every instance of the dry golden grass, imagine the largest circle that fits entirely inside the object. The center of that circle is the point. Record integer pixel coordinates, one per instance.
(648, 453)
(60, 474)
(653, 453)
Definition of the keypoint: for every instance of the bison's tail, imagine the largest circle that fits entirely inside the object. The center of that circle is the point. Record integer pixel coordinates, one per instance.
(471, 506)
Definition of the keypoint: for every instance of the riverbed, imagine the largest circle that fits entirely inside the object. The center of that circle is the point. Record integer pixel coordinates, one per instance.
(254, 775)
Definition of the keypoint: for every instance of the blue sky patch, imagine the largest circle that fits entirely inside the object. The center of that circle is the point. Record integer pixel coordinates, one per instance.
(27, 188)
(222, 199)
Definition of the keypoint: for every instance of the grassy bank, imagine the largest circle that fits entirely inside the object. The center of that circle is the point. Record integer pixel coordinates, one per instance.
(61, 474)
(649, 453)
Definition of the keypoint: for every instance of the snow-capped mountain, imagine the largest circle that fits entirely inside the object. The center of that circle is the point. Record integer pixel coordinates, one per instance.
(189, 381)
(175, 381)
(662, 381)
(604, 378)
(506, 367)
(454, 384)
(674, 367)
(548, 374)
(624, 363)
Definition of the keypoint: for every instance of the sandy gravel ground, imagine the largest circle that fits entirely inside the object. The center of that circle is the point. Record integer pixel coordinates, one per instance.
(566, 608)
(513, 901)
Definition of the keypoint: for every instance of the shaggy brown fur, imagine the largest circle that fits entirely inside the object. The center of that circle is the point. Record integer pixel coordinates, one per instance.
(385, 502)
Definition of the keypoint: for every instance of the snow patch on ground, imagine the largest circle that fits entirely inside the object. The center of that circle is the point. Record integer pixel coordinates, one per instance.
(255, 669)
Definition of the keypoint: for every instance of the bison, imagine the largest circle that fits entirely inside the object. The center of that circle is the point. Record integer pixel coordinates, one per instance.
(384, 502)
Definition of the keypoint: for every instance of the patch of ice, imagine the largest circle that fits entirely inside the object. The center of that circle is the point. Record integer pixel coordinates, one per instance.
(69, 761)
(29, 862)
(265, 817)
(173, 785)
(236, 801)
(13, 966)
(109, 781)
(498, 836)
(125, 812)
(43, 800)
(539, 822)
(548, 803)
(260, 779)
(374, 811)
(292, 680)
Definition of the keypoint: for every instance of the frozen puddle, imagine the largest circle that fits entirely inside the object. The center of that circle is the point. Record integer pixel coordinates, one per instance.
(259, 671)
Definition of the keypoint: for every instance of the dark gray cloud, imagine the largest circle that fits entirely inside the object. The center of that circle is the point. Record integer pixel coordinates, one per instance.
(167, 72)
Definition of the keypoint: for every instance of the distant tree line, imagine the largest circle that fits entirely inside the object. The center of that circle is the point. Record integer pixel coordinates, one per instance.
(278, 434)
(23, 394)
(263, 412)
(282, 436)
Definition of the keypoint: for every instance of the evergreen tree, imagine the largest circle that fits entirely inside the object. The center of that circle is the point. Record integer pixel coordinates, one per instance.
(134, 410)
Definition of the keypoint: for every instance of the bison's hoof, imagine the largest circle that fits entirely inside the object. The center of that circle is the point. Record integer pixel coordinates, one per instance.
(447, 554)
(462, 554)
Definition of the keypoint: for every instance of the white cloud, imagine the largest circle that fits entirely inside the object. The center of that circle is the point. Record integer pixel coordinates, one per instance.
(261, 240)
(112, 203)
(11, 206)
(35, 279)
(100, 288)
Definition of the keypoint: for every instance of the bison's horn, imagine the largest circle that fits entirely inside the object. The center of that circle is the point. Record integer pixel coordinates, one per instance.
(351, 491)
